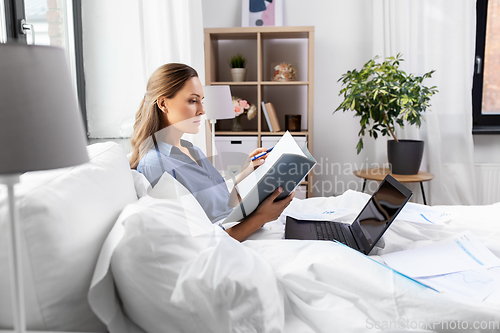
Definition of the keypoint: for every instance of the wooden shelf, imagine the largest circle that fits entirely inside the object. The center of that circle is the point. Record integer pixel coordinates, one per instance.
(262, 133)
(283, 83)
(264, 83)
(236, 133)
(280, 133)
(264, 47)
(246, 83)
(265, 32)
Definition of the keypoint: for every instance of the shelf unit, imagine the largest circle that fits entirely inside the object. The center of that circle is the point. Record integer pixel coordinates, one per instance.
(264, 47)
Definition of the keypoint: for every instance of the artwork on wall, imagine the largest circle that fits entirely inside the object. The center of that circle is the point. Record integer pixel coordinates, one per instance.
(262, 13)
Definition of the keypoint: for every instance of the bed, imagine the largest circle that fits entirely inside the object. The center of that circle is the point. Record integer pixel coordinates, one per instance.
(155, 263)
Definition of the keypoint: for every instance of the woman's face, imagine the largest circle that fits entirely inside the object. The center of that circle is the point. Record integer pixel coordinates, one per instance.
(184, 110)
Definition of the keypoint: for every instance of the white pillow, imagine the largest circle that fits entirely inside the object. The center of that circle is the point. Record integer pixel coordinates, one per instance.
(177, 272)
(65, 216)
(141, 183)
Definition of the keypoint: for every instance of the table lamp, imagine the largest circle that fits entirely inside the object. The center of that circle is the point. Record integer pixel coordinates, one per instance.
(218, 104)
(41, 128)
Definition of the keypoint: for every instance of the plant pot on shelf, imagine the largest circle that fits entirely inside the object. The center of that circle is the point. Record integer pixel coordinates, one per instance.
(405, 156)
(238, 74)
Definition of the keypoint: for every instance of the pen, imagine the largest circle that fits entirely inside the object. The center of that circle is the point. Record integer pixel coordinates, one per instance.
(261, 154)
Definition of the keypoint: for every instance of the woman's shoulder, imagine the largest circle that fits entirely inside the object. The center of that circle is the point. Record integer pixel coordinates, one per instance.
(149, 159)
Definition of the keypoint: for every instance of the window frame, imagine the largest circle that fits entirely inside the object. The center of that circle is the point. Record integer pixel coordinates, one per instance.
(14, 12)
(481, 124)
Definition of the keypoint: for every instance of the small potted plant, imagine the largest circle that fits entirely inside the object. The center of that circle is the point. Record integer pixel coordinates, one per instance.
(238, 70)
(384, 96)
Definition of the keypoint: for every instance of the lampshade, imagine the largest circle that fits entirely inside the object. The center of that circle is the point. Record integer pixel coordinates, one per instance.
(41, 125)
(218, 103)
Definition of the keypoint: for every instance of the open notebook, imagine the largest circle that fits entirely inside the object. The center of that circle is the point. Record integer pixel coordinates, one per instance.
(286, 166)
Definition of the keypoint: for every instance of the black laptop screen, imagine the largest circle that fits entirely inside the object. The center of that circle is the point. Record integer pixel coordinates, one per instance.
(378, 213)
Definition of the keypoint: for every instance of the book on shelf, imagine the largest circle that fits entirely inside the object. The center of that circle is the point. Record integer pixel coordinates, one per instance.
(264, 110)
(286, 165)
(273, 117)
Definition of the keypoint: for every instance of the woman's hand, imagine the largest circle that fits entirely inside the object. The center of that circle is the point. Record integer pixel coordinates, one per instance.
(268, 210)
(252, 165)
(256, 163)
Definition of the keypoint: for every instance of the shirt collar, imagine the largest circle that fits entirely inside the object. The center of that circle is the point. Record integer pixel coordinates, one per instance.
(166, 148)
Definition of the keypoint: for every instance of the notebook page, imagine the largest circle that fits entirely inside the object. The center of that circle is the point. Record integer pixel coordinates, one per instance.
(285, 145)
(463, 252)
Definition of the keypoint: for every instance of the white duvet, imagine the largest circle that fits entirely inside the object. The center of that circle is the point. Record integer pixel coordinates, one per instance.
(330, 288)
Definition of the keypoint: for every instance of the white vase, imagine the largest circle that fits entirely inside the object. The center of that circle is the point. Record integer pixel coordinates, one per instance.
(238, 74)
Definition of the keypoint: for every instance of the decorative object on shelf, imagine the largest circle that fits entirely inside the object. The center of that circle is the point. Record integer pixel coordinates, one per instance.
(266, 115)
(284, 72)
(242, 107)
(261, 13)
(41, 128)
(384, 95)
(292, 122)
(237, 126)
(273, 117)
(217, 104)
(238, 70)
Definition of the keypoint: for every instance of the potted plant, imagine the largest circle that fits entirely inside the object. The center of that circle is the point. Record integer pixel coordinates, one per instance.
(384, 96)
(238, 70)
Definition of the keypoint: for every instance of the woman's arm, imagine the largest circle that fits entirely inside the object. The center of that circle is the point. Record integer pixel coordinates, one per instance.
(268, 210)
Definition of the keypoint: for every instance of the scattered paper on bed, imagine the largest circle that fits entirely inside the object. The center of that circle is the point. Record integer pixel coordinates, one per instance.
(461, 253)
(477, 284)
(327, 215)
(416, 213)
(303, 210)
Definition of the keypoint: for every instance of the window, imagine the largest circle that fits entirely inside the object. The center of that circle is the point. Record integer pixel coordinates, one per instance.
(3, 25)
(486, 84)
(47, 22)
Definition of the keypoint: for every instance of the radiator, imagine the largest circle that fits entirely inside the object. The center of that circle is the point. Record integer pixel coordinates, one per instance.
(488, 183)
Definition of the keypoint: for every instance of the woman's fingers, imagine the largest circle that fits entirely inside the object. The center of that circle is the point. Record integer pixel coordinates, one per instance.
(257, 151)
(258, 162)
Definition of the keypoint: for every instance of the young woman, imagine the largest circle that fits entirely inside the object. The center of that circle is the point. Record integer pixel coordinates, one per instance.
(171, 107)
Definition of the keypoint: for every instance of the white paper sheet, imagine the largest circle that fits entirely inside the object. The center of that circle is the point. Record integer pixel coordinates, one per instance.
(303, 210)
(476, 284)
(461, 253)
(423, 214)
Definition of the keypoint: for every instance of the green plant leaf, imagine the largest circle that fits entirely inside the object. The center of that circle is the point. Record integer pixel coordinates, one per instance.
(359, 146)
(383, 95)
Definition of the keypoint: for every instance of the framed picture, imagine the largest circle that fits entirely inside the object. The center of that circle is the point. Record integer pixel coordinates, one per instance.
(261, 13)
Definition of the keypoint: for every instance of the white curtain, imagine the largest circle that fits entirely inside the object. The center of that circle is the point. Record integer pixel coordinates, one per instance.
(439, 35)
(124, 41)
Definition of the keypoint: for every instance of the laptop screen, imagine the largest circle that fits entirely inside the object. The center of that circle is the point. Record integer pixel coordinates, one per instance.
(379, 212)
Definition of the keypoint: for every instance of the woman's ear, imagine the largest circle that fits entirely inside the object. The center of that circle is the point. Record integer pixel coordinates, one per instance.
(162, 104)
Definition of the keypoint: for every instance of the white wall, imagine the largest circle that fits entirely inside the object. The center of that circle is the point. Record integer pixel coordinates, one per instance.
(487, 148)
(342, 42)
(111, 111)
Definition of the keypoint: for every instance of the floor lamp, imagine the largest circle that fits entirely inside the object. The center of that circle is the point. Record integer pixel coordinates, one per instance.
(41, 128)
(218, 104)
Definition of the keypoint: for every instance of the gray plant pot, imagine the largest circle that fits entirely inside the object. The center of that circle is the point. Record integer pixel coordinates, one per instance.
(405, 156)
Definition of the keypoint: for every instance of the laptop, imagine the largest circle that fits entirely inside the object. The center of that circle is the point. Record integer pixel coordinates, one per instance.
(368, 227)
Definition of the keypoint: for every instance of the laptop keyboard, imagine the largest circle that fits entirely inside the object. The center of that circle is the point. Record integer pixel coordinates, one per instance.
(330, 231)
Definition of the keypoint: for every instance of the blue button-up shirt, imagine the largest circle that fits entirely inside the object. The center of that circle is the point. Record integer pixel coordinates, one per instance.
(200, 177)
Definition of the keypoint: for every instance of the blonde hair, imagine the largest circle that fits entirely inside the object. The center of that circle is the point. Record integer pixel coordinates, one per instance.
(166, 81)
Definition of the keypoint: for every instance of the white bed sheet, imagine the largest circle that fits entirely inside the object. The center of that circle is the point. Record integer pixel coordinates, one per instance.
(330, 288)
